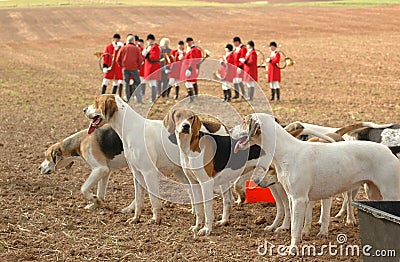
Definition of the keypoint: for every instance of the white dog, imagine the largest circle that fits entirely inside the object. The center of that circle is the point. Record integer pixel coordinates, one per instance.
(314, 171)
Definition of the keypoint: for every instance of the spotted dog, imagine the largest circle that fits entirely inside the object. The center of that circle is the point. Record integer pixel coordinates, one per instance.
(102, 152)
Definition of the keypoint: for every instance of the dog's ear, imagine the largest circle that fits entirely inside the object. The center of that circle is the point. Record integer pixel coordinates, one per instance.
(110, 107)
(196, 125)
(56, 155)
(169, 122)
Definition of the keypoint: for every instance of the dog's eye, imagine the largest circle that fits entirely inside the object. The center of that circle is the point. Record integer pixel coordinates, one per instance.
(178, 115)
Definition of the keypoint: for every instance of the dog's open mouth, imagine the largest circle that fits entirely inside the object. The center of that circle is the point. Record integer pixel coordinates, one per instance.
(94, 124)
(241, 144)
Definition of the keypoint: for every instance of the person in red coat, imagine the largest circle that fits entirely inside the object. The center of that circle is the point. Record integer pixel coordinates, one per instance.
(112, 71)
(250, 69)
(227, 72)
(190, 68)
(174, 67)
(130, 59)
(240, 52)
(152, 72)
(274, 72)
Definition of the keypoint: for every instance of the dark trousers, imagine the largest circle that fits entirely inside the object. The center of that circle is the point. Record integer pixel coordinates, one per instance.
(136, 83)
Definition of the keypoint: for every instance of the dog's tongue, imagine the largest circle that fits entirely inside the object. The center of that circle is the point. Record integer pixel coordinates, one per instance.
(237, 147)
(91, 128)
(240, 145)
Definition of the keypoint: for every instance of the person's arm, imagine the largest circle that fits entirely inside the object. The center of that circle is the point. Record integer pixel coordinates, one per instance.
(139, 57)
(275, 60)
(118, 59)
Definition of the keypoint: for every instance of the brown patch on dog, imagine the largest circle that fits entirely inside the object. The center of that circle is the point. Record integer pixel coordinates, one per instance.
(107, 105)
(195, 124)
(211, 126)
(295, 129)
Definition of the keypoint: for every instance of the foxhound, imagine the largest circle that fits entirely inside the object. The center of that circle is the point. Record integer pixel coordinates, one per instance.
(102, 152)
(313, 171)
(149, 149)
(207, 162)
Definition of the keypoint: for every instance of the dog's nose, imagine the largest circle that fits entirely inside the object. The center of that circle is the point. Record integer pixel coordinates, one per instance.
(185, 126)
(84, 110)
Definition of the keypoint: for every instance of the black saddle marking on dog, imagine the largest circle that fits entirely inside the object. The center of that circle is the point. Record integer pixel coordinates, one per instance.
(109, 142)
(374, 134)
(224, 156)
(395, 150)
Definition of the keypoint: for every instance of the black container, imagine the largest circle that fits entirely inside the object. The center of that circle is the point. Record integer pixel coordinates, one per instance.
(380, 229)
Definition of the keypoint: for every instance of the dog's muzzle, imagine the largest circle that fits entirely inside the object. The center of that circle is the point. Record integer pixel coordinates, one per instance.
(185, 128)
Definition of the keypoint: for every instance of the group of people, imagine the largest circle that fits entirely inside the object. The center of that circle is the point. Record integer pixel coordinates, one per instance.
(162, 68)
(239, 65)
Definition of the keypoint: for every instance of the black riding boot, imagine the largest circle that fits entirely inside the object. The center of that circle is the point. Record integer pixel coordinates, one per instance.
(225, 96)
(272, 94)
(103, 89)
(190, 94)
(120, 89)
(228, 95)
(114, 90)
(153, 93)
(278, 94)
(251, 93)
(242, 90)
(176, 93)
(196, 89)
(236, 87)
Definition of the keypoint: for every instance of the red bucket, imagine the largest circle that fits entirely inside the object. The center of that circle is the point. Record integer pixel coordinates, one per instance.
(255, 194)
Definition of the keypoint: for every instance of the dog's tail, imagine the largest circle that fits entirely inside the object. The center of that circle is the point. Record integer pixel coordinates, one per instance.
(317, 134)
(359, 125)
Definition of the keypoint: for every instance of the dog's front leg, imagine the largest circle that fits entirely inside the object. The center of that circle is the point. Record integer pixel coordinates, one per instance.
(299, 205)
(350, 219)
(227, 200)
(208, 195)
(139, 185)
(325, 217)
(198, 206)
(279, 208)
(153, 189)
(307, 219)
(102, 187)
(94, 177)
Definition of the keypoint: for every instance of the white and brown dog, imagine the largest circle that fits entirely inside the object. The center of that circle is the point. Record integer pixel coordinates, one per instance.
(149, 149)
(207, 162)
(102, 152)
(313, 171)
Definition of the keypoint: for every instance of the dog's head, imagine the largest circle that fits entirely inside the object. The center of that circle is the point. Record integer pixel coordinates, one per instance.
(55, 159)
(295, 128)
(182, 121)
(248, 133)
(101, 111)
(267, 179)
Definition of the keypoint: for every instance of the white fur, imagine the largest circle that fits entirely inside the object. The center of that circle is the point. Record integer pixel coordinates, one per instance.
(313, 171)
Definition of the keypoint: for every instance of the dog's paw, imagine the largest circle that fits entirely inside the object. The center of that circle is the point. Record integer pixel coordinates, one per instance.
(91, 206)
(205, 231)
(154, 221)
(194, 228)
(127, 210)
(133, 220)
(269, 228)
(281, 230)
(322, 234)
(351, 222)
(221, 223)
